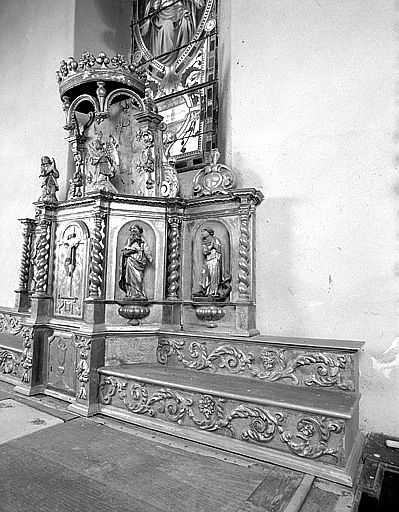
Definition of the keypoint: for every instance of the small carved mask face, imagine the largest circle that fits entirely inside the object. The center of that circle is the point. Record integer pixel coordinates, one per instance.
(269, 360)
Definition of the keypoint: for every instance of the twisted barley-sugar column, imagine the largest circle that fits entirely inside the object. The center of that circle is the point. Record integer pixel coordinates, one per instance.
(42, 257)
(244, 261)
(96, 257)
(27, 234)
(173, 257)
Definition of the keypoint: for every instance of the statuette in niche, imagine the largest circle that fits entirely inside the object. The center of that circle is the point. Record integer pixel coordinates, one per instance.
(103, 156)
(50, 174)
(215, 280)
(135, 257)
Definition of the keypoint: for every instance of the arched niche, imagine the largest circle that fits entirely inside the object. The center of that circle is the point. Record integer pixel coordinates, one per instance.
(70, 269)
(118, 133)
(149, 238)
(222, 240)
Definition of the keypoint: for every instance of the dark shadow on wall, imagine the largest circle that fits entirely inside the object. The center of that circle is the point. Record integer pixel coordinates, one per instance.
(276, 281)
(102, 25)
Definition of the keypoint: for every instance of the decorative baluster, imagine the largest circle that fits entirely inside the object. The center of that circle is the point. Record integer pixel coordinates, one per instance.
(244, 262)
(97, 257)
(173, 257)
(42, 258)
(29, 227)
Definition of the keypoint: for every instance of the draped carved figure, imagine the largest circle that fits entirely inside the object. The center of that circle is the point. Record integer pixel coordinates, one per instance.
(215, 279)
(135, 257)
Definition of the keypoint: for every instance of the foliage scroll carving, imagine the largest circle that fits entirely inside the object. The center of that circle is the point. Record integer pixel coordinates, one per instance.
(273, 364)
(208, 413)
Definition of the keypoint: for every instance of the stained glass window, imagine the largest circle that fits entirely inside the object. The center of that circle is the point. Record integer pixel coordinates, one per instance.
(175, 41)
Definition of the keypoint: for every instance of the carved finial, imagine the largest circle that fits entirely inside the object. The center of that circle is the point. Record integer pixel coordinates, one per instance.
(50, 174)
(214, 178)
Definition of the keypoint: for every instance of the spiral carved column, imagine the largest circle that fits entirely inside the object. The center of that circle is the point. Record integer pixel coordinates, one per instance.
(97, 257)
(173, 257)
(244, 262)
(27, 234)
(42, 258)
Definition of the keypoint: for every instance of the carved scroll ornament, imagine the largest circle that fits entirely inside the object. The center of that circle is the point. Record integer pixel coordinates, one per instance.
(214, 179)
(209, 413)
(273, 364)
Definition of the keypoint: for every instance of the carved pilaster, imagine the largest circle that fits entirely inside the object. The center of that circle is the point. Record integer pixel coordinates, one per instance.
(77, 182)
(244, 251)
(26, 361)
(97, 257)
(174, 224)
(42, 258)
(150, 134)
(83, 345)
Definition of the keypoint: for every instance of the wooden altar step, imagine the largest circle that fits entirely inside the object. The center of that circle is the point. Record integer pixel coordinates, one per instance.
(313, 430)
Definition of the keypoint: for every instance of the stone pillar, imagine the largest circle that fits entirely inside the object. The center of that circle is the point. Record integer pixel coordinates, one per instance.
(22, 293)
(95, 309)
(41, 300)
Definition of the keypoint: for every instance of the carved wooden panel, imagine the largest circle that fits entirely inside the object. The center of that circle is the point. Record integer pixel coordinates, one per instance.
(70, 272)
(62, 363)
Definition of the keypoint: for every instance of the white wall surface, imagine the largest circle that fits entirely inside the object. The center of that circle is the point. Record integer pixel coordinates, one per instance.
(312, 114)
(34, 36)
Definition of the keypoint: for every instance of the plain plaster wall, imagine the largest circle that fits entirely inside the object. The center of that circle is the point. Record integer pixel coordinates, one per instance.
(308, 114)
(34, 36)
(309, 98)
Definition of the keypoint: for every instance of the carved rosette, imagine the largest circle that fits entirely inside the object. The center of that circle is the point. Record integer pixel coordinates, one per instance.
(173, 258)
(26, 360)
(27, 234)
(309, 437)
(96, 257)
(326, 370)
(244, 262)
(83, 345)
(42, 257)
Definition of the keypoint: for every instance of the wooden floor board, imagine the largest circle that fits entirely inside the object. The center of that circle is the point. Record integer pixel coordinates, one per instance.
(168, 479)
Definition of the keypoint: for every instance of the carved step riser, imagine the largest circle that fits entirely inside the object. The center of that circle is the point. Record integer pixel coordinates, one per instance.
(297, 366)
(306, 436)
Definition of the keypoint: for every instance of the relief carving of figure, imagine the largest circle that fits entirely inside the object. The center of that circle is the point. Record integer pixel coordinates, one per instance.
(214, 280)
(168, 25)
(104, 157)
(135, 257)
(76, 182)
(50, 174)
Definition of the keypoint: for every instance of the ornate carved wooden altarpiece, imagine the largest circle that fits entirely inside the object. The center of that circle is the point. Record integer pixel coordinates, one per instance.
(136, 300)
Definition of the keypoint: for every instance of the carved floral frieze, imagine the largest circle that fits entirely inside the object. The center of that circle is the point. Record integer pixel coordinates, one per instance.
(272, 364)
(10, 323)
(16, 364)
(306, 436)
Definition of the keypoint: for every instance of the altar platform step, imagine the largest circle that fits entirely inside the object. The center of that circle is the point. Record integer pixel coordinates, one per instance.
(307, 429)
